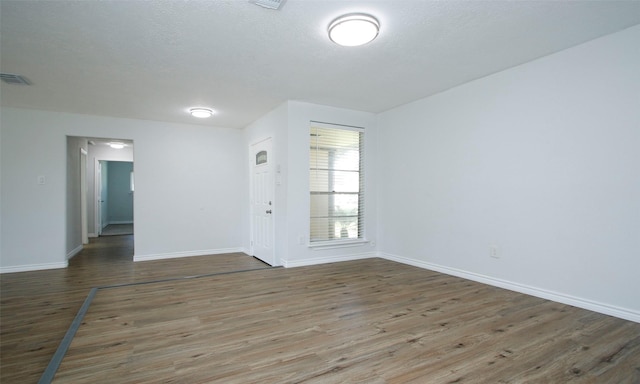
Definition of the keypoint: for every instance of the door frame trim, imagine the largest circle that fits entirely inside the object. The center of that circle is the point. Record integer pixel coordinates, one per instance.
(97, 181)
(84, 158)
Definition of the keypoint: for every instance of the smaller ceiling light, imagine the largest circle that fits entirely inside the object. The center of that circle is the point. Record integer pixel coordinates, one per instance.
(201, 112)
(116, 145)
(353, 30)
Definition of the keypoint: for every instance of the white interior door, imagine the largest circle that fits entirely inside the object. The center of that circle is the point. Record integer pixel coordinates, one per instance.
(262, 208)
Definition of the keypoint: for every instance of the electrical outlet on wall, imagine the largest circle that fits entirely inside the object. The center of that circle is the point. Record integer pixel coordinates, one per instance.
(494, 252)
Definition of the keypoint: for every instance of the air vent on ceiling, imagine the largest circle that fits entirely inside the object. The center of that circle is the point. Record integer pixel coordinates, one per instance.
(271, 4)
(14, 79)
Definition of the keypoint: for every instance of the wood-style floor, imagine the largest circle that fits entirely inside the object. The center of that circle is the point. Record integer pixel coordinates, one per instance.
(367, 321)
(117, 230)
(37, 308)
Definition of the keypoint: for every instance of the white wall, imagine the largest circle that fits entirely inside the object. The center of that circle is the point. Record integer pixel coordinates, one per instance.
(187, 183)
(33, 216)
(542, 161)
(298, 206)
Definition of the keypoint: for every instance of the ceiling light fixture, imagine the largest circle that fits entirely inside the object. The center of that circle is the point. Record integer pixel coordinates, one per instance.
(14, 79)
(269, 4)
(353, 29)
(116, 145)
(201, 112)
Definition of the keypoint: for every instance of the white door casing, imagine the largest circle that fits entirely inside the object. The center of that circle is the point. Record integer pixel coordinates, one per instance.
(83, 196)
(98, 198)
(262, 204)
(104, 195)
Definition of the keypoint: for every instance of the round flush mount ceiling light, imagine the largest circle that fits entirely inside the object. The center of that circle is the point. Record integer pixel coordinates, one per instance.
(116, 145)
(201, 112)
(353, 29)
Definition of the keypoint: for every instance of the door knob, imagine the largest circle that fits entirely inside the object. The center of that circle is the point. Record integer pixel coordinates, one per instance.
(269, 211)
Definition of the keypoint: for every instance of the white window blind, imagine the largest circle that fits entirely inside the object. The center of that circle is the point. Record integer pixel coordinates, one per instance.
(336, 182)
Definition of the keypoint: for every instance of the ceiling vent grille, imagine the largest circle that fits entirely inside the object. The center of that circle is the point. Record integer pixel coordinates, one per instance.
(271, 4)
(14, 79)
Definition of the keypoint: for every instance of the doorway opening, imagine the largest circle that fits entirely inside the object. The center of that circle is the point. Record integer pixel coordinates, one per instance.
(116, 198)
(100, 190)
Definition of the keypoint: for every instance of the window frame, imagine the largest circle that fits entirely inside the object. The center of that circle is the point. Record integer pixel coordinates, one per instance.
(361, 193)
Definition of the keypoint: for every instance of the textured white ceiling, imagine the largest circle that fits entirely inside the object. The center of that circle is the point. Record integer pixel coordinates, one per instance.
(153, 60)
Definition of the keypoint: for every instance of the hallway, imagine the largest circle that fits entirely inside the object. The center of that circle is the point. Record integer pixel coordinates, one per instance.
(117, 230)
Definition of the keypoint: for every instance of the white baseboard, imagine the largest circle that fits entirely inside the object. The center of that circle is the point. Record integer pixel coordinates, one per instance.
(329, 259)
(92, 235)
(120, 222)
(74, 251)
(173, 255)
(33, 267)
(606, 309)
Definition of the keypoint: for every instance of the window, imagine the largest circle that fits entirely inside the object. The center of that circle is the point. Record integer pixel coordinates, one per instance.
(336, 181)
(261, 157)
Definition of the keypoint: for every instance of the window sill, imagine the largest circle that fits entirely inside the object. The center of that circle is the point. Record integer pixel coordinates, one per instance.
(337, 244)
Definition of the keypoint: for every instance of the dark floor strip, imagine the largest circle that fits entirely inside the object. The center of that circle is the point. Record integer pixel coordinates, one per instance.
(182, 278)
(56, 360)
(262, 261)
(52, 368)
